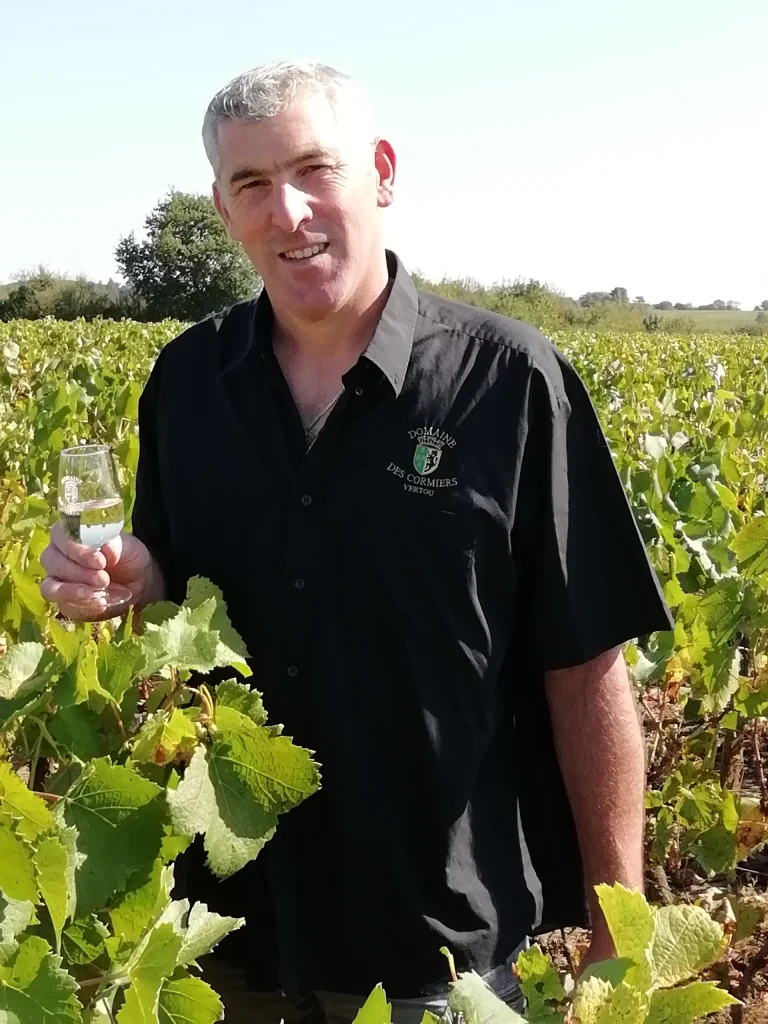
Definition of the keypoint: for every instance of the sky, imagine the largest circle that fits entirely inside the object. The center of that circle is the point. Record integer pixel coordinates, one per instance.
(587, 144)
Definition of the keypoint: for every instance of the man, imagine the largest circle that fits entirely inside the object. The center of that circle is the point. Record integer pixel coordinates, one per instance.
(420, 533)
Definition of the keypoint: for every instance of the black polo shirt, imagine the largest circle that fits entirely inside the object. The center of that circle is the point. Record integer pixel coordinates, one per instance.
(457, 529)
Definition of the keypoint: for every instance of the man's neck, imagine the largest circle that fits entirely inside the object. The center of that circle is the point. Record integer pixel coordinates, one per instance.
(336, 339)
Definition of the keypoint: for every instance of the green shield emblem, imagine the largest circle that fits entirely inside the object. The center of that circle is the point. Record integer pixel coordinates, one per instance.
(426, 458)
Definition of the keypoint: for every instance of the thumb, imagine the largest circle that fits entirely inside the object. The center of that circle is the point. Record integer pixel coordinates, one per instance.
(113, 551)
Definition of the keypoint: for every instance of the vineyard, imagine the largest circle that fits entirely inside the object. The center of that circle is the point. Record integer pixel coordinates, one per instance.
(114, 754)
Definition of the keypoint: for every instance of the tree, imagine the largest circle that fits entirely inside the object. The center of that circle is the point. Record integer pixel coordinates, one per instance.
(764, 304)
(666, 304)
(187, 267)
(732, 304)
(639, 300)
(619, 295)
(683, 305)
(590, 298)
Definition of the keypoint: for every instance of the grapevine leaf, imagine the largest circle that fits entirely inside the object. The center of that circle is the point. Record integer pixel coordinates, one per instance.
(35, 990)
(688, 1003)
(233, 694)
(83, 940)
(19, 670)
(748, 917)
(478, 1003)
(51, 862)
(184, 999)
(155, 962)
(207, 601)
(629, 919)
(375, 1010)
(204, 930)
(80, 682)
(613, 971)
(750, 545)
(78, 729)
(15, 917)
(142, 906)
(685, 941)
(117, 664)
(29, 810)
(235, 797)
(165, 738)
(716, 849)
(539, 981)
(113, 808)
(17, 872)
(194, 808)
(28, 591)
(67, 642)
(654, 445)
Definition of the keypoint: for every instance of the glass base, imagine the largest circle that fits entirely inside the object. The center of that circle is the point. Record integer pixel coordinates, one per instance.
(117, 598)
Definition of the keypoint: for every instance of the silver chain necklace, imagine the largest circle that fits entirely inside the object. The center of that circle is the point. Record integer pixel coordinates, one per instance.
(308, 430)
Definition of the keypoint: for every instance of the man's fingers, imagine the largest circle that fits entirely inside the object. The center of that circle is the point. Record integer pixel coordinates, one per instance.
(59, 566)
(91, 558)
(75, 600)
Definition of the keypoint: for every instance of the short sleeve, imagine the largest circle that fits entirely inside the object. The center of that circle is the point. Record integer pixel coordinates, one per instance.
(149, 519)
(586, 584)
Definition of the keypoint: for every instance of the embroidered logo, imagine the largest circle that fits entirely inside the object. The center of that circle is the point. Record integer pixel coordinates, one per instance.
(431, 442)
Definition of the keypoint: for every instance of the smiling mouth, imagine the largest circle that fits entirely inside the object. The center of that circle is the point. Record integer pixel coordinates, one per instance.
(304, 255)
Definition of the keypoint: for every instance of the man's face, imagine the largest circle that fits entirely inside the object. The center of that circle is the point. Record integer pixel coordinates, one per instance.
(300, 180)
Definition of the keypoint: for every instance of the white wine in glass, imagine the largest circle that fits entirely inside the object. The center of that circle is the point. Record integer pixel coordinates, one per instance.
(91, 507)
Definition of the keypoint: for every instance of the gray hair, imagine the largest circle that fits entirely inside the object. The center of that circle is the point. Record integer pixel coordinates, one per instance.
(270, 88)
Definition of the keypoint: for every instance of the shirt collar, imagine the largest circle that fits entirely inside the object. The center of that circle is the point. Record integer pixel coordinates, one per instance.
(389, 349)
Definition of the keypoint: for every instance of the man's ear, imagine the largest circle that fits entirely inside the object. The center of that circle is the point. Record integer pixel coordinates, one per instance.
(386, 164)
(221, 209)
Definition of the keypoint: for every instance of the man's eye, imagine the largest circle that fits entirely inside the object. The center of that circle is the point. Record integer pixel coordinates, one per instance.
(254, 184)
(317, 167)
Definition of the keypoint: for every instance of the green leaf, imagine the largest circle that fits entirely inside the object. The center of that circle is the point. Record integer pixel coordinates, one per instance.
(83, 940)
(117, 664)
(17, 872)
(78, 730)
(18, 667)
(716, 849)
(113, 808)
(67, 641)
(184, 1000)
(81, 680)
(194, 808)
(750, 545)
(28, 592)
(687, 1004)
(164, 738)
(539, 981)
(685, 941)
(235, 793)
(375, 1010)
(748, 917)
(210, 608)
(479, 1004)
(654, 445)
(35, 990)
(198, 638)
(153, 964)
(51, 862)
(613, 971)
(233, 694)
(204, 930)
(629, 919)
(15, 917)
(141, 907)
(28, 810)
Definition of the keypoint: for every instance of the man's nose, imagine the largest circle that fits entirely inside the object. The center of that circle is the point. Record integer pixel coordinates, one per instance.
(290, 208)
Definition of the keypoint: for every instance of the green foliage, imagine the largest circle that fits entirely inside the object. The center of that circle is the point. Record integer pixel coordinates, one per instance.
(88, 928)
(187, 267)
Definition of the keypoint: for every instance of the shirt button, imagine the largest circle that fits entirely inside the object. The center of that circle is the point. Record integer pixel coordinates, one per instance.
(358, 391)
(292, 671)
(306, 499)
(299, 584)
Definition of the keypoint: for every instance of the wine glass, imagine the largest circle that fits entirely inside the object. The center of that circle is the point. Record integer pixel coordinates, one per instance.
(91, 507)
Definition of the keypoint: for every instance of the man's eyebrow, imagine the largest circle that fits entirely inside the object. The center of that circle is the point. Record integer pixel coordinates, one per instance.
(252, 172)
